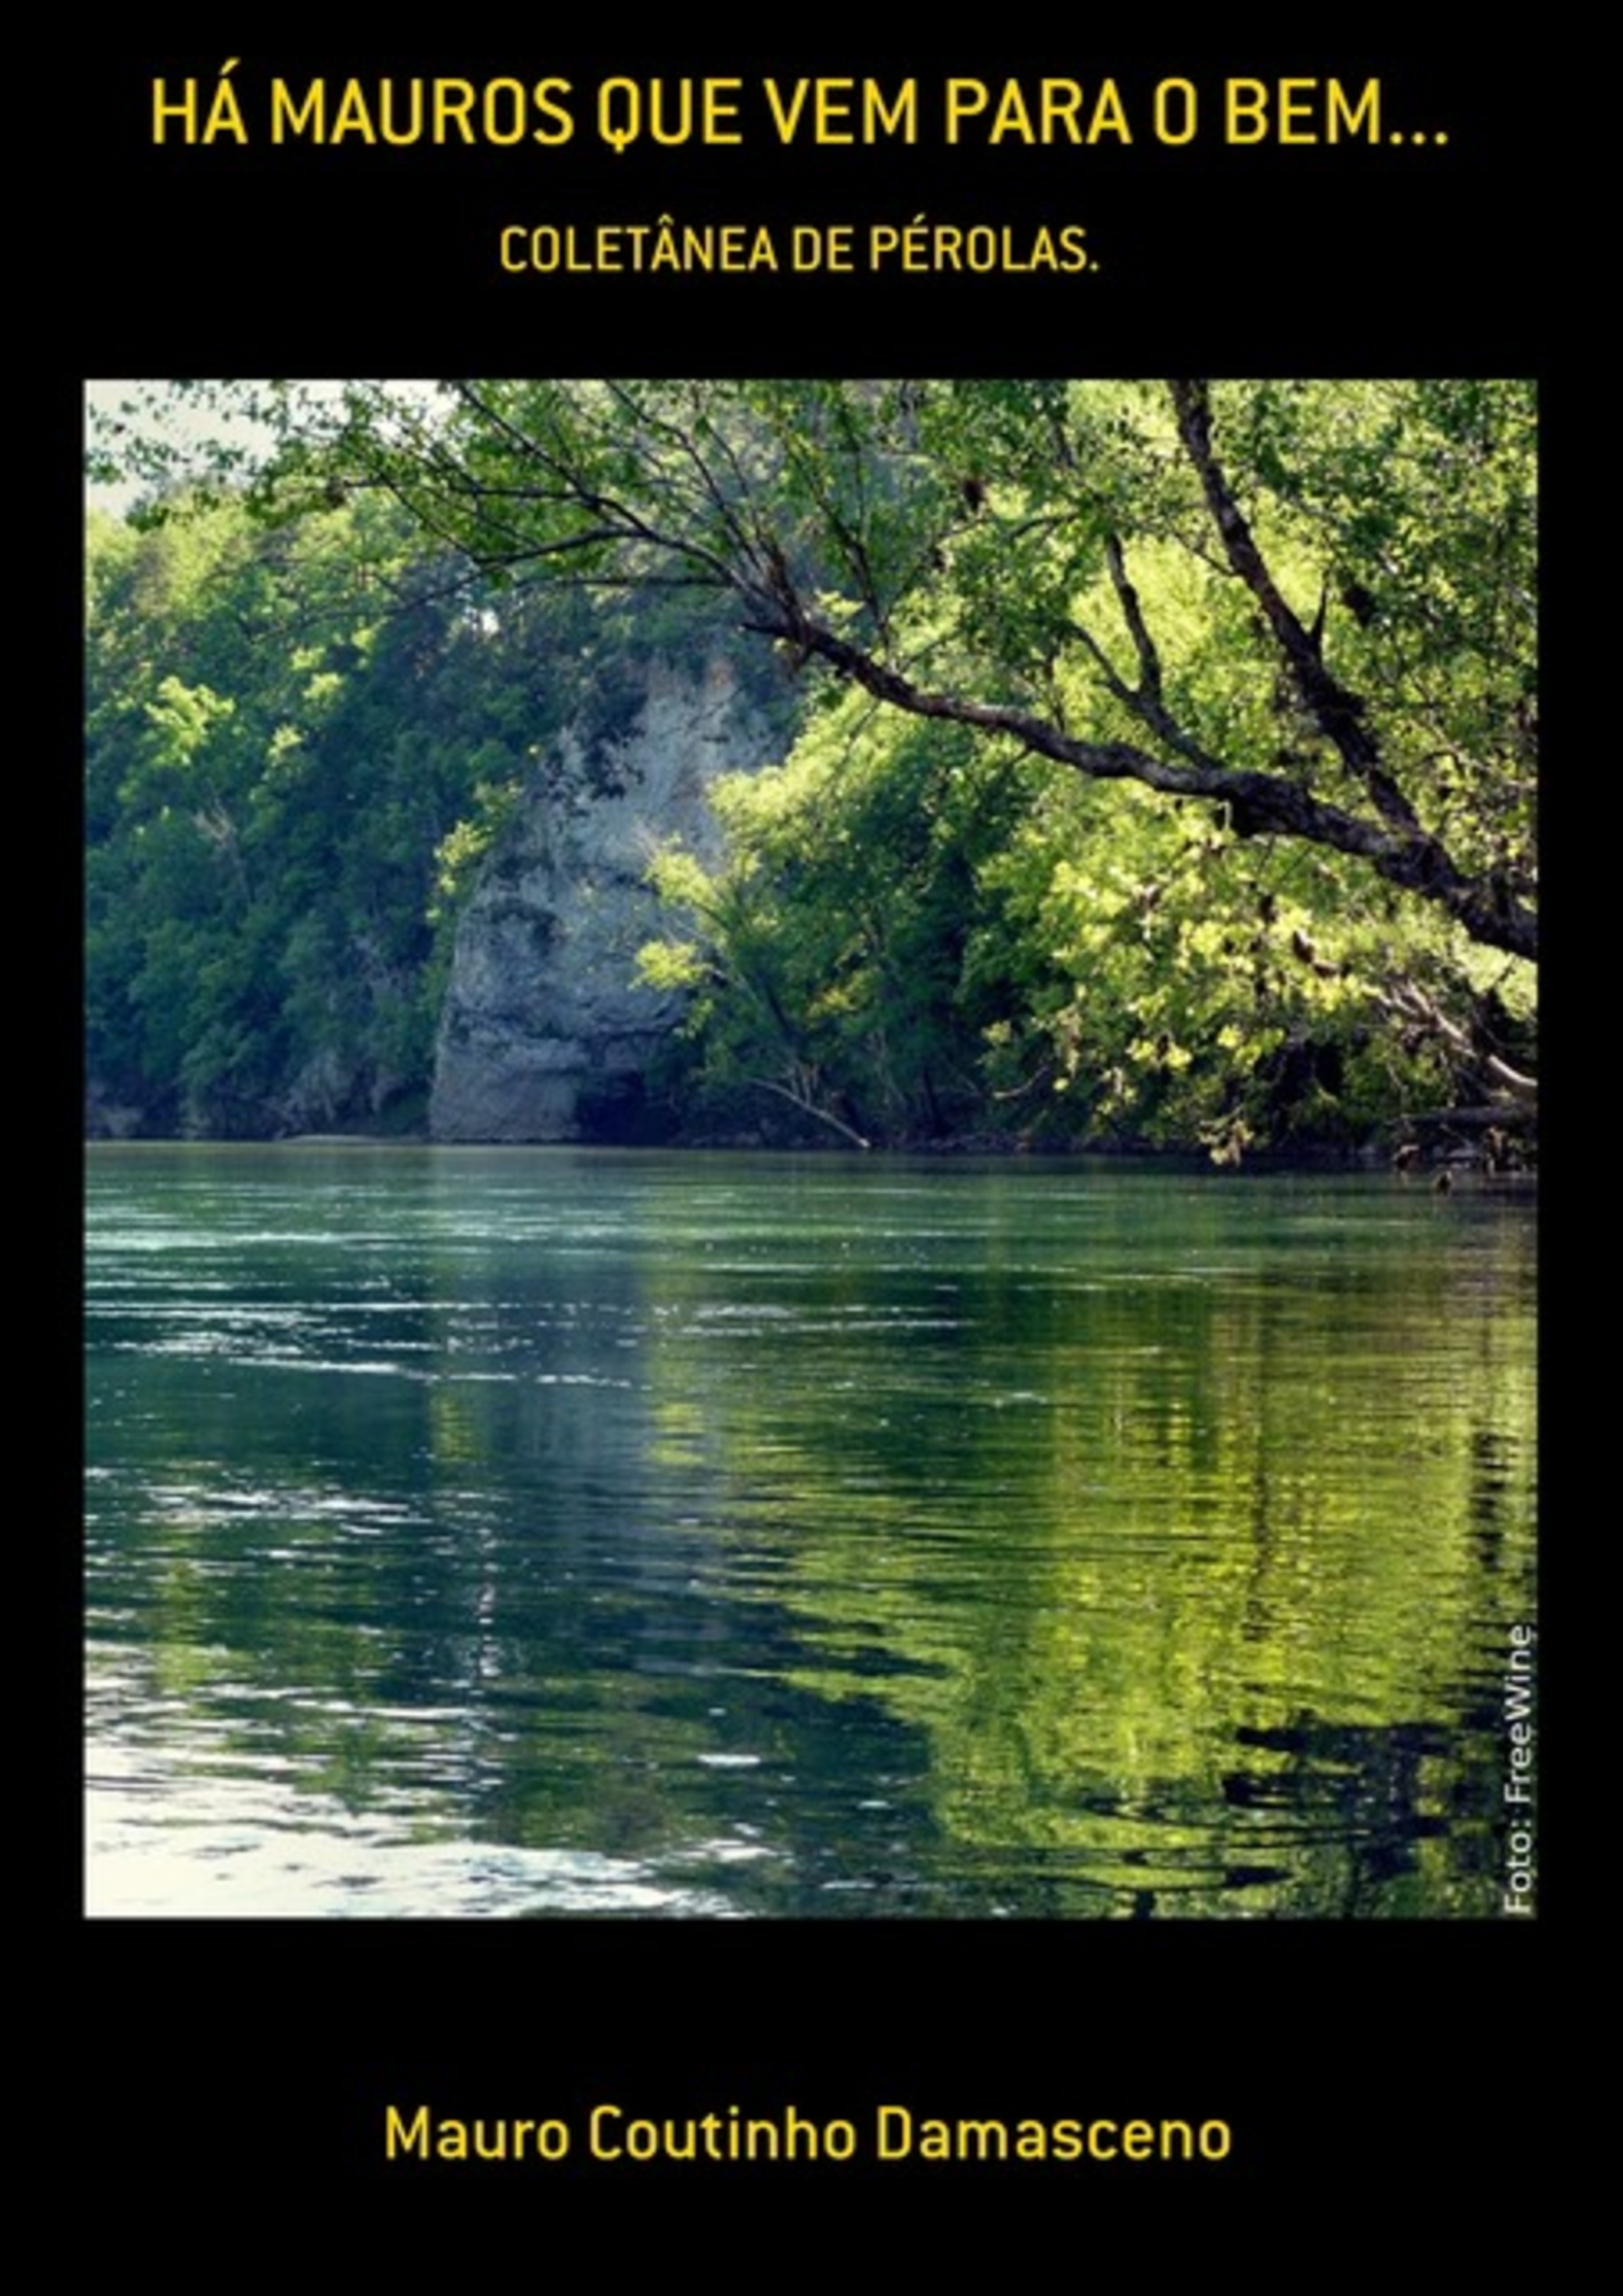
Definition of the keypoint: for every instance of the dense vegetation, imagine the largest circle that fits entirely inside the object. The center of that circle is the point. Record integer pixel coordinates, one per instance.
(1165, 769)
(303, 737)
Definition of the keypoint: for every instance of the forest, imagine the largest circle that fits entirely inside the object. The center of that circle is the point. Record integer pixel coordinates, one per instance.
(1156, 770)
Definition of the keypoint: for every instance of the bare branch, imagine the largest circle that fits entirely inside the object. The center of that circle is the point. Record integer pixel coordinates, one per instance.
(810, 1108)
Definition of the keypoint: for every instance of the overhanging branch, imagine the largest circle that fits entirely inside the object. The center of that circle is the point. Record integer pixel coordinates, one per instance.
(1259, 804)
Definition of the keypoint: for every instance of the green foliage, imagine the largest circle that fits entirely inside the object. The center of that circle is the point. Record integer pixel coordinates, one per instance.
(297, 737)
(1088, 957)
(915, 935)
(1165, 769)
(828, 955)
(1201, 989)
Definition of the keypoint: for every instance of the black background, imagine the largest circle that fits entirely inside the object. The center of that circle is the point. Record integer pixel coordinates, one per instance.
(1372, 2076)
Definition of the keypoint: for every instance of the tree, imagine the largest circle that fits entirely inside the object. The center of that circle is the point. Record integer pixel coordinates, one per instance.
(300, 736)
(839, 954)
(1298, 615)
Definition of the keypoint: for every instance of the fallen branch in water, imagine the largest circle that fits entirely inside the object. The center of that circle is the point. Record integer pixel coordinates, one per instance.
(809, 1108)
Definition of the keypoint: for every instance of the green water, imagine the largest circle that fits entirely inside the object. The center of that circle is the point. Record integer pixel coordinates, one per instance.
(551, 1532)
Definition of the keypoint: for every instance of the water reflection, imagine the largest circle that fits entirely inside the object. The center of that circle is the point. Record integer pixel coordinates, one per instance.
(535, 1531)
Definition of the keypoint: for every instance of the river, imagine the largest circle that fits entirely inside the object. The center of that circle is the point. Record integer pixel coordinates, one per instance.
(563, 1532)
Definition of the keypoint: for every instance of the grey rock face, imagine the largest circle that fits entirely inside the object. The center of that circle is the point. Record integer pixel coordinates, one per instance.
(546, 1030)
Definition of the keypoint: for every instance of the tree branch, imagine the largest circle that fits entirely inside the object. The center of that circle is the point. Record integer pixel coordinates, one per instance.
(690, 518)
(809, 1108)
(1410, 1002)
(1337, 712)
(1259, 804)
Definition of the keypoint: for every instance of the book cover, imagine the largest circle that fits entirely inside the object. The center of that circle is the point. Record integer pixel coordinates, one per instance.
(840, 207)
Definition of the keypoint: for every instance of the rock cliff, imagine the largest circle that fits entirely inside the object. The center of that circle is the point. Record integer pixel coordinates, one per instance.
(545, 1031)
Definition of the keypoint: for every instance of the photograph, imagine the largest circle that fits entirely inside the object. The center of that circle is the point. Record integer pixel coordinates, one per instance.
(814, 1117)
